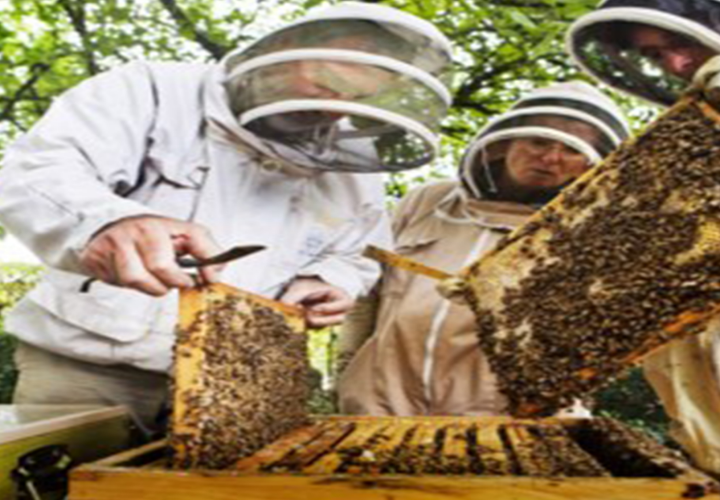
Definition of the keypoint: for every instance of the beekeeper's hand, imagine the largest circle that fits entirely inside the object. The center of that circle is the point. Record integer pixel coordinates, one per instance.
(141, 252)
(324, 304)
(453, 289)
(707, 79)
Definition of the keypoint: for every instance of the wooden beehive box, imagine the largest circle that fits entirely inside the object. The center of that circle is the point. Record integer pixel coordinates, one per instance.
(418, 458)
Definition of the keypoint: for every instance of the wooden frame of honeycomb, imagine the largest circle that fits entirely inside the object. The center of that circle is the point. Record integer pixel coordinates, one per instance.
(625, 260)
(240, 375)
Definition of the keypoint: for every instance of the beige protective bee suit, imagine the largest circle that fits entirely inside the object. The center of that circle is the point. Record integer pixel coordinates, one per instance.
(423, 358)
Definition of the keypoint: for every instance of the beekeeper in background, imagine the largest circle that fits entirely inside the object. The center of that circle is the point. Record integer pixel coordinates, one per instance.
(280, 144)
(413, 352)
(653, 49)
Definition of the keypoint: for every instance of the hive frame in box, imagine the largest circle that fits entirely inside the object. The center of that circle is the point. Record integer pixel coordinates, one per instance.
(141, 473)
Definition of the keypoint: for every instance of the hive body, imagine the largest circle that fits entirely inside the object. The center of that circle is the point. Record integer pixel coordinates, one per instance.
(624, 260)
(419, 458)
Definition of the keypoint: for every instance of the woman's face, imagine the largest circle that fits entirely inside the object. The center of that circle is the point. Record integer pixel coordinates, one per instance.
(676, 54)
(543, 163)
(536, 162)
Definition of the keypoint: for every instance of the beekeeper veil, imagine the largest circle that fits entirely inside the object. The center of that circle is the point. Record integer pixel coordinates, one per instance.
(574, 116)
(354, 87)
(648, 48)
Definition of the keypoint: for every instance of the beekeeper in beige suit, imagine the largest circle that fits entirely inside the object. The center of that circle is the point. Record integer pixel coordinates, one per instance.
(420, 353)
(653, 49)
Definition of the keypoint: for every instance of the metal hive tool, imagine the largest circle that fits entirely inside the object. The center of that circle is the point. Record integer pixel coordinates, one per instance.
(240, 375)
(622, 262)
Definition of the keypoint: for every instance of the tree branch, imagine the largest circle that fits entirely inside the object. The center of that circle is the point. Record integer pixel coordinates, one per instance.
(215, 49)
(77, 19)
(468, 88)
(469, 104)
(36, 71)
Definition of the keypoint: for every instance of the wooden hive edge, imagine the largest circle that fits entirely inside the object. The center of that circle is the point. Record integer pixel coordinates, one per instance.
(108, 484)
(115, 477)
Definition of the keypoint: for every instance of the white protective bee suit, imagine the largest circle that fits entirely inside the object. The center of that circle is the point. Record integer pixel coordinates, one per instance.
(167, 139)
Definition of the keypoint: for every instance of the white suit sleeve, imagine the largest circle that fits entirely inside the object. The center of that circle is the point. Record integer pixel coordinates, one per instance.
(58, 182)
(342, 264)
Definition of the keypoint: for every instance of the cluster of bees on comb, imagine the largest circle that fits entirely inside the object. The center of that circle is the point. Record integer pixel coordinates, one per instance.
(465, 446)
(250, 386)
(621, 262)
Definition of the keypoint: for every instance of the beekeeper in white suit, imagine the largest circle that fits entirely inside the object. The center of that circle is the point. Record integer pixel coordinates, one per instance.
(654, 49)
(280, 144)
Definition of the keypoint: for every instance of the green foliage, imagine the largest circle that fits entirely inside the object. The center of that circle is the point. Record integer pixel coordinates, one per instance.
(15, 281)
(322, 347)
(634, 402)
(8, 374)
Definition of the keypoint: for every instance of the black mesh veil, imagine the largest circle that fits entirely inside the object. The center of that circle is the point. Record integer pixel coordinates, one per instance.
(607, 44)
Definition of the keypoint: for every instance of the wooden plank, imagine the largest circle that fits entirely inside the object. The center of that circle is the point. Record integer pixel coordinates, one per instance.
(401, 262)
(189, 359)
(490, 451)
(276, 451)
(300, 457)
(453, 457)
(415, 454)
(105, 484)
(140, 455)
(31, 420)
(348, 456)
(529, 453)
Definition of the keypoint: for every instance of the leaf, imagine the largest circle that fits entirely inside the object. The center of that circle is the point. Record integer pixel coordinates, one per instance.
(522, 20)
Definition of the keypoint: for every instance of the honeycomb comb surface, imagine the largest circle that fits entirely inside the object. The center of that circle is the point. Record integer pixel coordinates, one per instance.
(623, 261)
